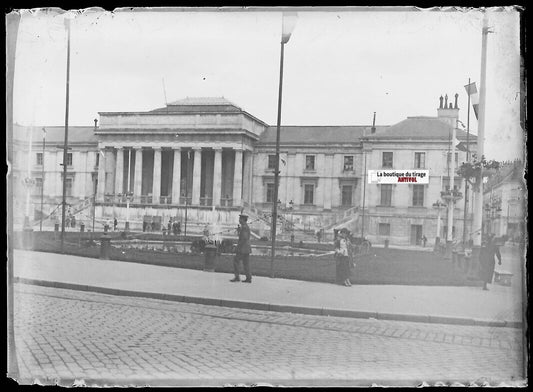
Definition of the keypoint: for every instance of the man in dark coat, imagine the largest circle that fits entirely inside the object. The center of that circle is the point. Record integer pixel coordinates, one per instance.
(243, 251)
(489, 250)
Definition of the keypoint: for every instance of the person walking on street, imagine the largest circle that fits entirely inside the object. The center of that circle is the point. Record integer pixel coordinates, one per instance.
(343, 254)
(489, 250)
(243, 251)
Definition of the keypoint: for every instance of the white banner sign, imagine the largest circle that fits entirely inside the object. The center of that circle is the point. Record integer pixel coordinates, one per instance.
(398, 176)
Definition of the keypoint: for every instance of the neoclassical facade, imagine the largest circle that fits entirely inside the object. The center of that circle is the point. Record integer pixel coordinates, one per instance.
(206, 160)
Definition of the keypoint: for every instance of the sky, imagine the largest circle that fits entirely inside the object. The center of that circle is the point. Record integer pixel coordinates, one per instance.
(340, 65)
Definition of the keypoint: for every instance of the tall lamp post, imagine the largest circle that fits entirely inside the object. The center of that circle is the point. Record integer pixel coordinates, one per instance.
(438, 205)
(42, 180)
(291, 208)
(65, 146)
(288, 23)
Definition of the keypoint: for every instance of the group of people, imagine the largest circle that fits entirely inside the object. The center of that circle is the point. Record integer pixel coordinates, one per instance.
(490, 249)
(174, 227)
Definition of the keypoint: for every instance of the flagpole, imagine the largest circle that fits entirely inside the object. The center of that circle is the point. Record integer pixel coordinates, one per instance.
(465, 212)
(478, 195)
(65, 146)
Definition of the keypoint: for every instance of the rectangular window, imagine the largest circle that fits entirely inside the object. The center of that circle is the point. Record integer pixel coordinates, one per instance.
(270, 193)
(68, 183)
(386, 194)
(346, 195)
(384, 229)
(309, 162)
(39, 158)
(420, 160)
(418, 195)
(309, 193)
(348, 163)
(386, 161)
(456, 158)
(69, 159)
(272, 161)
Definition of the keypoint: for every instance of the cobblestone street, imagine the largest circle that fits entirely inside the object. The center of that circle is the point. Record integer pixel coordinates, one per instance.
(64, 335)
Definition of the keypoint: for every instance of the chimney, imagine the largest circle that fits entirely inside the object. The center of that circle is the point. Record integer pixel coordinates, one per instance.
(447, 112)
(373, 129)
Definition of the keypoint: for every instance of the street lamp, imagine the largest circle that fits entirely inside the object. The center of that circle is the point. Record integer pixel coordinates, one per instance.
(288, 23)
(65, 147)
(291, 208)
(450, 196)
(42, 180)
(438, 205)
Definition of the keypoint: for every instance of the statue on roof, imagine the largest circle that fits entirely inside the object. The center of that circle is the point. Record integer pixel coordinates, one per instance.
(440, 99)
(456, 97)
(446, 101)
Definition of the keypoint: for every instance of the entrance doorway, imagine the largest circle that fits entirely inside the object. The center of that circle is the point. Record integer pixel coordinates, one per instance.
(416, 234)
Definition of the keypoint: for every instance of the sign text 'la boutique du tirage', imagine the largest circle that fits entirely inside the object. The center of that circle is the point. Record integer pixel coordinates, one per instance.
(398, 176)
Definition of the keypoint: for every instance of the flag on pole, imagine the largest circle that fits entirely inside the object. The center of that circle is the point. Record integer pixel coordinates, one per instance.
(289, 21)
(474, 96)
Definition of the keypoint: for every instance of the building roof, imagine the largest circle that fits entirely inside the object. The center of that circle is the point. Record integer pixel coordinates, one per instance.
(421, 127)
(54, 134)
(305, 134)
(508, 172)
(199, 104)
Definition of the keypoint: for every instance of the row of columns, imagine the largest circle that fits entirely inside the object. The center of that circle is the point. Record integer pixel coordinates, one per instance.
(118, 185)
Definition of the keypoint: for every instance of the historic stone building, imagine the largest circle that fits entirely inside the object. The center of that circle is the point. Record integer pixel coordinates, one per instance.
(206, 160)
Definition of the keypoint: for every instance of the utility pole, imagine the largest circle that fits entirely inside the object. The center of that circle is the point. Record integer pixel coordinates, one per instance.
(465, 212)
(65, 146)
(478, 196)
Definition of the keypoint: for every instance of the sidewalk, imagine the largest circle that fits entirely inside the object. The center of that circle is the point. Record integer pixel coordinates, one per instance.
(500, 306)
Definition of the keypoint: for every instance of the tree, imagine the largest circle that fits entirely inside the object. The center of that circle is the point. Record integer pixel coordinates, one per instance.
(470, 171)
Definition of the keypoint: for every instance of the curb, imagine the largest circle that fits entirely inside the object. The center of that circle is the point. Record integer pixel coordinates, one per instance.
(276, 308)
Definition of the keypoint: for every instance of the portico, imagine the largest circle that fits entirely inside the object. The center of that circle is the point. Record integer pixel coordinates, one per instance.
(195, 153)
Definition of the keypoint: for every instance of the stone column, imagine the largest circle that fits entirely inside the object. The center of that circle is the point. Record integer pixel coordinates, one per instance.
(119, 170)
(101, 176)
(110, 171)
(328, 182)
(196, 175)
(176, 176)
(217, 177)
(137, 178)
(247, 180)
(237, 179)
(156, 183)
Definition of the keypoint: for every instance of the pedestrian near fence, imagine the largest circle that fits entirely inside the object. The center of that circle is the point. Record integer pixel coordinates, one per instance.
(243, 251)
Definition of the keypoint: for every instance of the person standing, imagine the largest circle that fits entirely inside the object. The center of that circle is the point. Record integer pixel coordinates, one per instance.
(342, 251)
(424, 241)
(489, 250)
(243, 251)
(115, 224)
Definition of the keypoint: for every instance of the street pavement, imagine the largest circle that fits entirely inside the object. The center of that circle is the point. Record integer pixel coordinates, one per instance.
(72, 337)
(501, 305)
